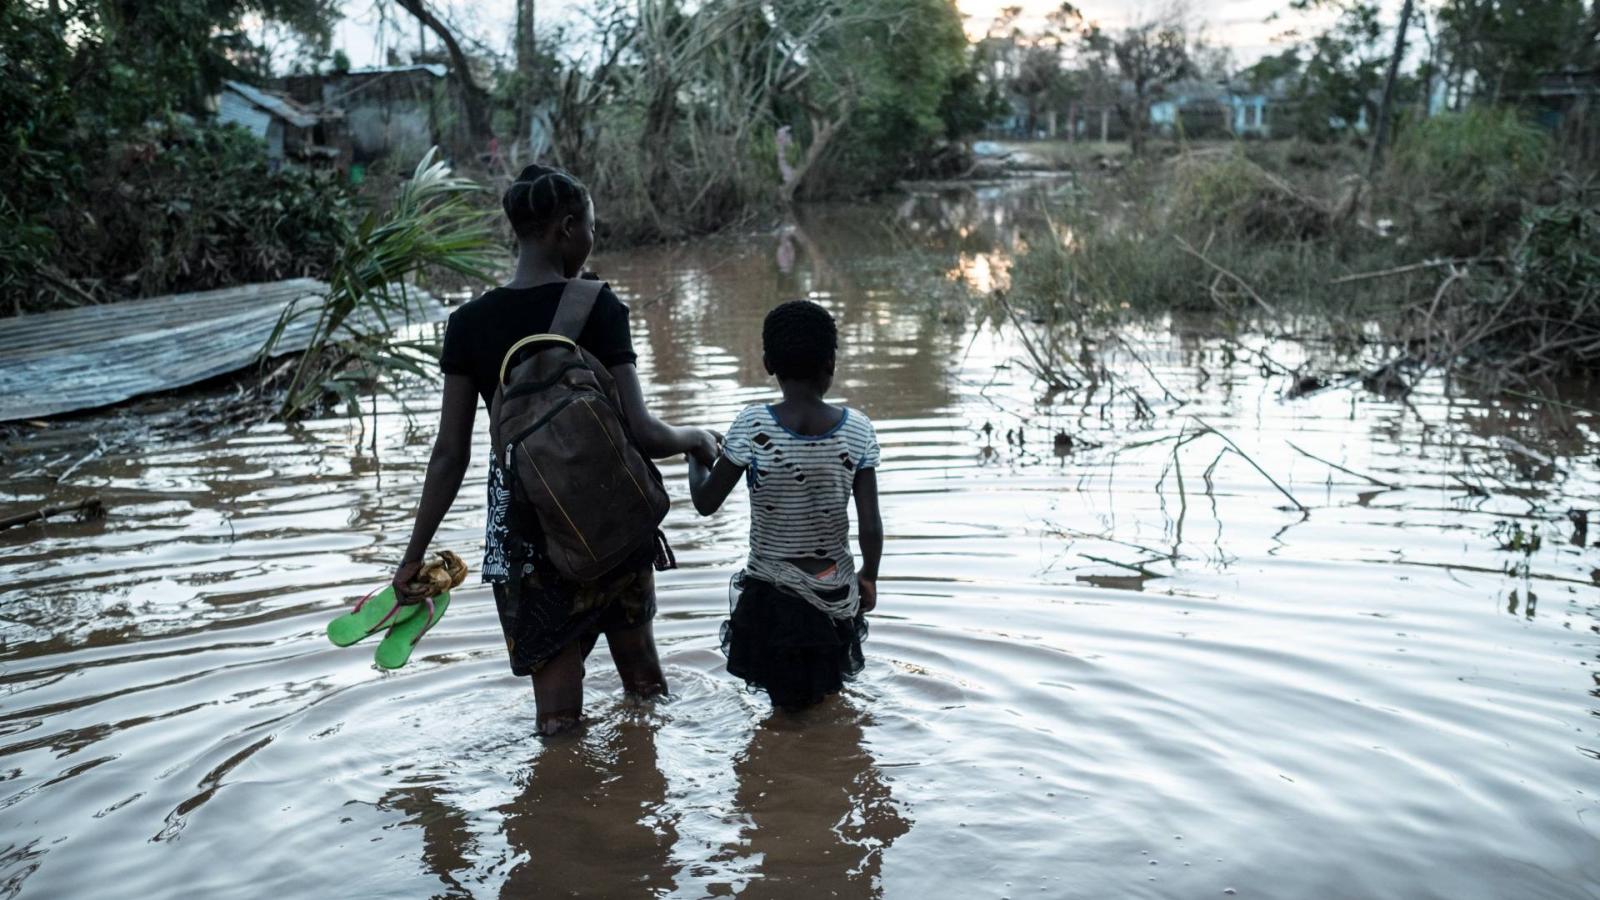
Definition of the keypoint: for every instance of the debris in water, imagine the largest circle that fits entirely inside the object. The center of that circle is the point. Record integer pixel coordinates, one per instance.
(1580, 526)
(90, 509)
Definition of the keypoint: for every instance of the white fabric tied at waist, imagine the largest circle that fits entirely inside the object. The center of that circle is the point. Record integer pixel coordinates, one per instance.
(790, 577)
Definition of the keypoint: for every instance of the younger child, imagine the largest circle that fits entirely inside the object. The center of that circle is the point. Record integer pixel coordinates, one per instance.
(797, 627)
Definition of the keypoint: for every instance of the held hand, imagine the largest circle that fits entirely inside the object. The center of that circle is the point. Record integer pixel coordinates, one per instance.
(707, 449)
(404, 590)
(869, 593)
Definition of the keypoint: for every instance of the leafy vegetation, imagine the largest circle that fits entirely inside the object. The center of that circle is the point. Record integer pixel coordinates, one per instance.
(674, 112)
(687, 118)
(433, 225)
(169, 208)
(1474, 255)
(110, 192)
(1468, 176)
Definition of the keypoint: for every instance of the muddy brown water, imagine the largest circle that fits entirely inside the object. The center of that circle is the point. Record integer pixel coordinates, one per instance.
(1100, 672)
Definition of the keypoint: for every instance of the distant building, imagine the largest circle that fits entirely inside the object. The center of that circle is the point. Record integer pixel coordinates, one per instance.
(289, 129)
(373, 113)
(1212, 109)
(1248, 114)
(1568, 103)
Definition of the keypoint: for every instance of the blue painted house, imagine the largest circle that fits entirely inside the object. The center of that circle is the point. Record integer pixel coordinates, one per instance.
(1235, 109)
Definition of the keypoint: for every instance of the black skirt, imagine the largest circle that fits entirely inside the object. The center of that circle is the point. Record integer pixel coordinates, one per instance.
(779, 643)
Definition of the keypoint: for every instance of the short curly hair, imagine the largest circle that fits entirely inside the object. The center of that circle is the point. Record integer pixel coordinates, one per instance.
(799, 339)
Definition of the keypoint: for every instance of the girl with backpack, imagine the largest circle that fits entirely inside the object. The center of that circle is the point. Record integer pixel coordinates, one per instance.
(798, 623)
(551, 621)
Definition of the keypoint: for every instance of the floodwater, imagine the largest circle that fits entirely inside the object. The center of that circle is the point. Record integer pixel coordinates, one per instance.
(1109, 669)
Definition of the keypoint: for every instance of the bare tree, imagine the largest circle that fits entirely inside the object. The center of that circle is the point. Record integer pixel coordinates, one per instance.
(1149, 56)
(473, 96)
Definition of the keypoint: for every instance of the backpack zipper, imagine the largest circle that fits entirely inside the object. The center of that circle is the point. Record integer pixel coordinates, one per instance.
(543, 420)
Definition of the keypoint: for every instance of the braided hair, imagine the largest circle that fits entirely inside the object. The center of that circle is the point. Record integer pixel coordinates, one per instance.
(799, 339)
(542, 196)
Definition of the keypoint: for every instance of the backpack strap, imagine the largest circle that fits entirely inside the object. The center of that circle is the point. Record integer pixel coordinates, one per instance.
(577, 302)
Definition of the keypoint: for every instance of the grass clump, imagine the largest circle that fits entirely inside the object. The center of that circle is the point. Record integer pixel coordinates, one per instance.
(1207, 231)
(1230, 193)
(1470, 252)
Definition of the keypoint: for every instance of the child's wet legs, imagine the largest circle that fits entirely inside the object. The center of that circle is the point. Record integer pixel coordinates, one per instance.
(558, 690)
(634, 650)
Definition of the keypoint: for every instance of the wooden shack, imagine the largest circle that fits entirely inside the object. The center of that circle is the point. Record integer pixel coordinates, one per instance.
(289, 129)
(393, 110)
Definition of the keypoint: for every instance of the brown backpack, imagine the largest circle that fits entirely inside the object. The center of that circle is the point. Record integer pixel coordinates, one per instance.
(563, 440)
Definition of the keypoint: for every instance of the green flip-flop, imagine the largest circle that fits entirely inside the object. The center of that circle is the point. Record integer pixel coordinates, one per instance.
(375, 611)
(396, 646)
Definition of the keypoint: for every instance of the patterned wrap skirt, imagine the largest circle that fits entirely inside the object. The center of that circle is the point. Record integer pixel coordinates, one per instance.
(541, 612)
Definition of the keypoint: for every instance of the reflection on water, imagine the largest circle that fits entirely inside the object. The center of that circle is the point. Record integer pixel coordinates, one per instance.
(818, 812)
(1104, 665)
(591, 816)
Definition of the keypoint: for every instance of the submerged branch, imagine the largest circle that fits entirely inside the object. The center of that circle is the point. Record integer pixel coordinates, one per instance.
(1334, 465)
(1255, 465)
(91, 508)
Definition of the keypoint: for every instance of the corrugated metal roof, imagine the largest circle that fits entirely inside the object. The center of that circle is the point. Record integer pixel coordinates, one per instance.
(89, 356)
(434, 69)
(277, 105)
(236, 110)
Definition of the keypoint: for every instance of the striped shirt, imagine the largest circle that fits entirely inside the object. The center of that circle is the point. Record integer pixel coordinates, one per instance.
(800, 485)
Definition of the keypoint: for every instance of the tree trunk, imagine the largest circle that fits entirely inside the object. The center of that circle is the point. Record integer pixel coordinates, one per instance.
(661, 116)
(476, 100)
(525, 49)
(1105, 124)
(1380, 133)
(1141, 112)
(822, 132)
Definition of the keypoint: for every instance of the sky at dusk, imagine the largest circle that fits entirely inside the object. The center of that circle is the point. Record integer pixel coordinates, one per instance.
(1239, 24)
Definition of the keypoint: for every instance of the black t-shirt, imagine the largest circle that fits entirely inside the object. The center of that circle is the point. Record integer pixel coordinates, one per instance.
(481, 331)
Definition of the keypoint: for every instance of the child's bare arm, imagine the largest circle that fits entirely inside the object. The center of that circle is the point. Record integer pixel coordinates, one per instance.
(710, 486)
(452, 450)
(869, 531)
(656, 438)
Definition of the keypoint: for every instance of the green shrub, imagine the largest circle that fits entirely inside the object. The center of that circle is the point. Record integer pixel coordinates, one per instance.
(174, 208)
(1461, 179)
(1484, 150)
(1226, 191)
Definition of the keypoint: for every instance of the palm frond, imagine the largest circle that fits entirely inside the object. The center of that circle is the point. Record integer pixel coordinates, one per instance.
(432, 225)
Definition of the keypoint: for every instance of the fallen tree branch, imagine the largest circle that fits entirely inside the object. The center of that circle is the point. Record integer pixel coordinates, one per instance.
(1415, 267)
(1257, 466)
(91, 508)
(1132, 567)
(92, 455)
